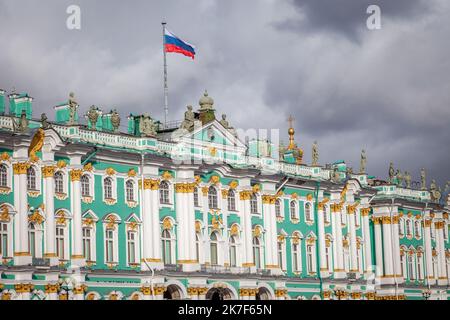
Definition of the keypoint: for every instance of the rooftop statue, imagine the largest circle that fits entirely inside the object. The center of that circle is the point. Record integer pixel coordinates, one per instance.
(189, 119)
(423, 178)
(435, 192)
(399, 177)
(93, 115)
(363, 162)
(224, 121)
(349, 171)
(315, 154)
(391, 173)
(44, 122)
(408, 179)
(73, 105)
(22, 125)
(147, 126)
(335, 177)
(115, 120)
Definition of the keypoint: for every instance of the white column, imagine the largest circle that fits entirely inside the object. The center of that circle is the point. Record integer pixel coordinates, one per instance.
(442, 270)
(428, 250)
(49, 208)
(387, 247)
(244, 197)
(321, 235)
(22, 254)
(226, 250)
(77, 236)
(151, 226)
(351, 223)
(339, 245)
(378, 247)
(396, 245)
(367, 241)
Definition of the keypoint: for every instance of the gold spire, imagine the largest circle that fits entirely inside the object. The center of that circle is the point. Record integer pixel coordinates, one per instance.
(291, 132)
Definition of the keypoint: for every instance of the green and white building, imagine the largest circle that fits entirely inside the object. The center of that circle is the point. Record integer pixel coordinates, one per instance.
(190, 211)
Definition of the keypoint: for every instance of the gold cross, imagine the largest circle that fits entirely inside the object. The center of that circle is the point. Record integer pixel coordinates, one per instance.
(290, 120)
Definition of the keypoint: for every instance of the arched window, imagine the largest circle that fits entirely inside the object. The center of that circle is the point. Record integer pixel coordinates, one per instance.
(278, 208)
(32, 239)
(109, 245)
(231, 200)
(59, 182)
(164, 192)
(213, 247)
(257, 252)
(60, 242)
(293, 209)
(107, 188)
(131, 246)
(85, 186)
(212, 198)
(401, 229)
(3, 176)
(87, 243)
(417, 229)
(31, 178)
(129, 186)
(308, 215)
(233, 251)
(408, 227)
(411, 270)
(166, 239)
(280, 250)
(196, 204)
(4, 237)
(253, 204)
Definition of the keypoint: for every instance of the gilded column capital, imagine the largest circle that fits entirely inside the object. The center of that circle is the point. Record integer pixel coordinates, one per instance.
(20, 167)
(48, 171)
(23, 287)
(322, 203)
(52, 288)
(224, 193)
(427, 223)
(151, 184)
(395, 219)
(147, 291)
(192, 291)
(268, 199)
(80, 289)
(376, 220)
(365, 211)
(386, 220)
(245, 195)
(75, 174)
(159, 290)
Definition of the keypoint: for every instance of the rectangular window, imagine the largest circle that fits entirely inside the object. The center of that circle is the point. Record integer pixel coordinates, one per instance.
(280, 255)
(3, 240)
(60, 243)
(131, 247)
(109, 245)
(309, 253)
(87, 243)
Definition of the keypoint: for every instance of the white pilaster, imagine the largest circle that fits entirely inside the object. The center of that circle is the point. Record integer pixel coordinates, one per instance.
(77, 237)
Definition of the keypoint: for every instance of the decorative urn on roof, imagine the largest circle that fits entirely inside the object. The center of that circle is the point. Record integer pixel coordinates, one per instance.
(206, 111)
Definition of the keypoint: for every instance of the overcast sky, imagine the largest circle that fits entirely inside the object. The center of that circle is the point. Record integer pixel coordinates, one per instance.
(349, 88)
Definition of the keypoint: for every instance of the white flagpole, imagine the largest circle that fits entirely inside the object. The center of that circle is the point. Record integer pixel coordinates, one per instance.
(166, 90)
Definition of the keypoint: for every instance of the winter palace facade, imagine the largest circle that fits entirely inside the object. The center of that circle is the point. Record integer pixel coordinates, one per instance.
(189, 211)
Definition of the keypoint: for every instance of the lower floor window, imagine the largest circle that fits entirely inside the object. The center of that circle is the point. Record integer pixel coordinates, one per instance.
(60, 243)
(109, 245)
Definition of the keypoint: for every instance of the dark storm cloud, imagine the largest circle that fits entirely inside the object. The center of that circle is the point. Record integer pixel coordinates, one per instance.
(349, 88)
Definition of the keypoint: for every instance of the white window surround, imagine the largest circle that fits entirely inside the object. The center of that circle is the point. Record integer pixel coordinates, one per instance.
(170, 203)
(38, 234)
(130, 221)
(9, 238)
(134, 189)
(172, 242)
(111, 224)
(92, 242)
(9, 174)
(311, 211)
(401, 228)
(91, 177)
(293, 210)
(113, 180)
(418, 229)
(231, 201)
(64, 237)
(37, 174)
(65, 181)
(281, 205)
(90, 215)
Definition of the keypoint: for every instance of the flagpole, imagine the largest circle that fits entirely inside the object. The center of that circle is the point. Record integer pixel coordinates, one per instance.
(166, 90)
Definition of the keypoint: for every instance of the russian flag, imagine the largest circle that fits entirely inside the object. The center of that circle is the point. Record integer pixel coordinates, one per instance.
(174, 44)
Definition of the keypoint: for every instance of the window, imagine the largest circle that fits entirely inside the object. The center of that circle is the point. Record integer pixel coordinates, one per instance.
(432, 230)
(196, 197)
(107, 188)
(417, 229)
(231, 200)
(280, 255)
(278, 208)
(310, 258)
(293, 210)
(213, 249)
(131, 244)
(109, 245)
(85, 186)
(197, 246)
(401, 229)
(403, 263)
(32, 240)
(59, 182)
(419, 266)
(328, 257)
(308, 215)
(166, 247)
(257, 252)
(254, 204)
(326, 214)
(60, 243)
(31, 178)
(408, 228)
(296, 258)
(212, 198)
(87, 242)
(4, 240)
(164, 192)
(129, 189)
(233, 250)
(3, 176)
(411, 267)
